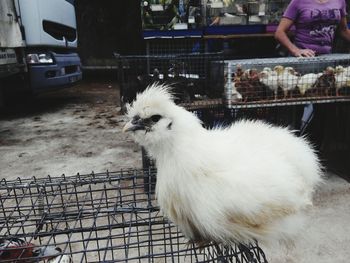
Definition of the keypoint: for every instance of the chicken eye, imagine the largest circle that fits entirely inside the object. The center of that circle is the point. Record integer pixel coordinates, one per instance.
(156, 118)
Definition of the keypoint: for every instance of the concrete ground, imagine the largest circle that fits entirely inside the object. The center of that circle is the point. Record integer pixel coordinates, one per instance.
(78, 130)
(65, 132)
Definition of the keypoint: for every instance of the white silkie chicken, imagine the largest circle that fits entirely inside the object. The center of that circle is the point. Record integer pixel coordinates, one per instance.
(288, 81)
(250, 181)
(270, 79)
(61, 259)
(307, 82)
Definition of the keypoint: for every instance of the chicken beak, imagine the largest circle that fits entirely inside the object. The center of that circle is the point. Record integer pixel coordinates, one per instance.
(134, 125)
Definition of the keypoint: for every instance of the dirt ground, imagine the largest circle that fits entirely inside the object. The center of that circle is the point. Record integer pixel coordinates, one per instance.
(65, 132)
(78, 130)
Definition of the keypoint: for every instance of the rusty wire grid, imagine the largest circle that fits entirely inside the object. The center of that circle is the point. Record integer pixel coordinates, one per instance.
(102, 217)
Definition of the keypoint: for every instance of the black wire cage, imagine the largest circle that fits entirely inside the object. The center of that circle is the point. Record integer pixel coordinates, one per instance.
(104, 217)
(188, 74)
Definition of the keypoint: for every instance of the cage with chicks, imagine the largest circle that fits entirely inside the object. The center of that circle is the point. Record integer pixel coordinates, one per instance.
(99, 217)
(284, 81)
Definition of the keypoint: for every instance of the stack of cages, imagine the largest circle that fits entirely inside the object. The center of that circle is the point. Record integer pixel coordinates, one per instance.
(284, 81)
(101, 217)
(171, 14)
(274, 12)
(172, 26)
(194, 14)
(228, 12)
(221, 13)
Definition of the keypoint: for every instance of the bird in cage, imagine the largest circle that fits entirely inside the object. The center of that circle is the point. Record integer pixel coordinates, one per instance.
(237, 184)
(270, 79)
(235, 95)
(19, 250)
(231, 86)
(288, 81)
(347, 71)
(307, 82)
(248, 84)
(244, 86)
(259, 90)
(239, 72)
(342, 79)
(325, 83)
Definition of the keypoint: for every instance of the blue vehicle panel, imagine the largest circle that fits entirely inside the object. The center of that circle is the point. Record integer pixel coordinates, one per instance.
(65, 71)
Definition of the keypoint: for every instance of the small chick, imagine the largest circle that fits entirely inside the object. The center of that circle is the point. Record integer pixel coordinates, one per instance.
(249, 85)
(307, 82)
(239, 73)
(288, 81)
(346, 70)
(250, 181)
(270, 79)
(341, 79)
(326, 82)
(231, 89)
(279, 69)
(236, 96)
(268, 69)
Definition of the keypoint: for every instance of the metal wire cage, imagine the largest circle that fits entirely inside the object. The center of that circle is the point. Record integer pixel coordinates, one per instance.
(245, 12)
(105, 217)
(284, 81)
(170, 15)
(188, 74)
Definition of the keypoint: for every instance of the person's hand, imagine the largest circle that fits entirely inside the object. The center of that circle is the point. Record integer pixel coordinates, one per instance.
(304, 53)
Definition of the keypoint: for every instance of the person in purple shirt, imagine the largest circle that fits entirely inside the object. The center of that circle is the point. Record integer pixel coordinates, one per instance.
(316, 22)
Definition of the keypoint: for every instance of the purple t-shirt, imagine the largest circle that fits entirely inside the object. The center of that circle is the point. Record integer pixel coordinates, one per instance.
(315, 23)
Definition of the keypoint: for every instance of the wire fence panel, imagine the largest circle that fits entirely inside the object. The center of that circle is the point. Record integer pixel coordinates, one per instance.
(104, 217)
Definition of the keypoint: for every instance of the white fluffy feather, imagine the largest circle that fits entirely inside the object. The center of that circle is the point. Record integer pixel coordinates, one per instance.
(250, 181)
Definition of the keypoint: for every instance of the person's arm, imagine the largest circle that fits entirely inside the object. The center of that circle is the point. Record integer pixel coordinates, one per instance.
(282, 37)
(343, 29)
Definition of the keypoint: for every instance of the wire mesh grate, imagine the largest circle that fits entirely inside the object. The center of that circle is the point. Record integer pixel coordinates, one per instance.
(105, 217)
